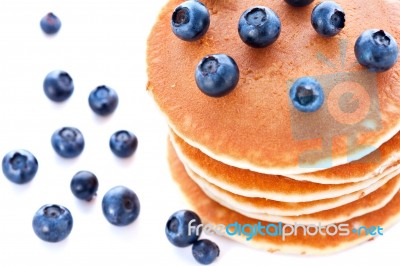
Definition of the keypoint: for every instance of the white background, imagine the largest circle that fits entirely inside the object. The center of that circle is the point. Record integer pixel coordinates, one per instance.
(102, 42)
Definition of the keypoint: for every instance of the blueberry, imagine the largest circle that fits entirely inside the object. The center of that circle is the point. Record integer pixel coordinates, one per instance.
(205, 251)
(50, 24)
(376, 50)
(52, 223)
(217, 75)
(299, 3)
(121, 206)
(123, 143)
(306, 94)
(58, 85)
(259, 27)
(68, 142)
(103, 100)
(190, 20)
(20, 166)
(183, 228)
(84, 185)
(328, 18)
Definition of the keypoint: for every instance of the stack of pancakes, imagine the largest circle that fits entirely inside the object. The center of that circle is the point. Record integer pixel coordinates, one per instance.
(251, 157)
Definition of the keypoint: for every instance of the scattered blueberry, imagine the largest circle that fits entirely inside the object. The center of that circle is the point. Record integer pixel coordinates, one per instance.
(103, 100)
(205, 251)
(217, 75)
(19, 166)
(50, 24)
(190, 20)
(259, 26)
(182, 228)
(121, 206)
(84, 185)
(68, 142)
(376, 50)
(299, 3)
(306, 94)
(52, 223)
(328, 18)
(58, 85)
(123, 143)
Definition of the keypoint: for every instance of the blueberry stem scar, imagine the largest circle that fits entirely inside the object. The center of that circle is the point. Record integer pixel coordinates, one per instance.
(209, 66)
(181, 16)
(380, 38)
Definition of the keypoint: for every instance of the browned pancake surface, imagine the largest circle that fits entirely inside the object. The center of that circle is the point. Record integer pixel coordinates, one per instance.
(255, 126)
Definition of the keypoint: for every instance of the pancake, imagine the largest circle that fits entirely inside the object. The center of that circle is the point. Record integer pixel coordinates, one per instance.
(213, 213)
(251, 184)
(366, 204)
(279, 208)
(255, 126)
(383, 159)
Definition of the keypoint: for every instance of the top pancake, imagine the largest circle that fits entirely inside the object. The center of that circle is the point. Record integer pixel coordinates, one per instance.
(255, 127)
